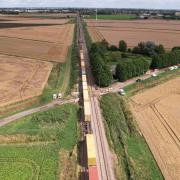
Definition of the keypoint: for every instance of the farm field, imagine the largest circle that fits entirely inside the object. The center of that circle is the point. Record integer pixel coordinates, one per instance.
(41, 146)
(134, 31)
(42, 39)
(21, 78)
(157, 114)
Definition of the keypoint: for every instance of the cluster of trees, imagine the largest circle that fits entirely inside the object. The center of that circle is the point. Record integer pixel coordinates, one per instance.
(148, 48)
(122, 47)
(100, 69)
(131, 68)
(166, 59)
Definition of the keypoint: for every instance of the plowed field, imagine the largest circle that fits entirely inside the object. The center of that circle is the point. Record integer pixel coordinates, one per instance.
(21, 78)
(134, 31)
(158, 115)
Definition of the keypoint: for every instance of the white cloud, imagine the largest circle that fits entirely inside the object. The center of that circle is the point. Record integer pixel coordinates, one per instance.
(173, 4)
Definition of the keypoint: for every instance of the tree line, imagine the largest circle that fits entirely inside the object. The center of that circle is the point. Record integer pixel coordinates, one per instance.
(131, 68)
(100, 69)
(166, 59)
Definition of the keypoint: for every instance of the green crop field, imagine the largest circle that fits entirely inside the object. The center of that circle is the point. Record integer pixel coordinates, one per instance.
(115, 17)
(135, 160)
(33, 147)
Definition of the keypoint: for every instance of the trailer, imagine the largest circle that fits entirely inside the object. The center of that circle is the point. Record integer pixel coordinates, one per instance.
(91, 152)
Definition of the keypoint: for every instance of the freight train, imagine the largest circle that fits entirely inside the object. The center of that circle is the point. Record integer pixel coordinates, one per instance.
(91, 150)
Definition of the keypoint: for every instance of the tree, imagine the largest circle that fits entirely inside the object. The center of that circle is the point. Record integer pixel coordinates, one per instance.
(160, 49)
(101, 71)
(148, 48)
(175, 48)
(113, 48)
(166, 59)
(131, 68)
(122, 46)
(105, 43)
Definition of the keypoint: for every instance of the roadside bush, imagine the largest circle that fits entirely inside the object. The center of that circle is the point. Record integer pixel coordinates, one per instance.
(131, 68)
(165, 60)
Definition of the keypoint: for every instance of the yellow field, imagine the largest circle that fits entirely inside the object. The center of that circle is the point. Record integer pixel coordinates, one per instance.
(158, 114)
(21, 78)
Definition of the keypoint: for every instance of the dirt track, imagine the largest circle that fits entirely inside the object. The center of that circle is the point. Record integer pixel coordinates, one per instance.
(160, 31)
(21, 78)
(158, 113)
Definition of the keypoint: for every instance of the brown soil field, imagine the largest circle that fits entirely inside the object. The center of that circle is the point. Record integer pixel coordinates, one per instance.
(32, 19)
(157, 112)
(50, 42)
(21, 79)
(134, 31)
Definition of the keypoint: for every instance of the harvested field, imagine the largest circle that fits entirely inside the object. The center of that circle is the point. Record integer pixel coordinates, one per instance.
(48, 41)
(134, 31)
(158, 114)
(21, 78)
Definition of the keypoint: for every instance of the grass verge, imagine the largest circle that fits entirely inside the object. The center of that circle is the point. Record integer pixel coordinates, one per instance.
(151, 82)
(49, 135)
(135, 160)
(87, 36)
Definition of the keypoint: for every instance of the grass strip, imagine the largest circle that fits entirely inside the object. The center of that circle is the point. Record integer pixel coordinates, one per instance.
(135, 160)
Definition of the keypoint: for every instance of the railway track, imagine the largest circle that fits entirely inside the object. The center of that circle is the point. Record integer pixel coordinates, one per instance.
(104, 162)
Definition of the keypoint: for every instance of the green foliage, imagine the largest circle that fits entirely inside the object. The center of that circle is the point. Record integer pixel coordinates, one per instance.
(176, 48)
(131, 68)
(87, 37)
(113, 48)
(148, 48)
(100, 69)
(74, 61)
(165, 60)
(122, 46)
(160, 49)
(135, 159)
(55, 130)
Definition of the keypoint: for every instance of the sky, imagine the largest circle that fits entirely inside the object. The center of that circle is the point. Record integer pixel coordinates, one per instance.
(149, 4)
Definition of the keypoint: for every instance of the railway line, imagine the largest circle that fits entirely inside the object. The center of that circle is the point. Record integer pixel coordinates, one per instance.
(98, 153)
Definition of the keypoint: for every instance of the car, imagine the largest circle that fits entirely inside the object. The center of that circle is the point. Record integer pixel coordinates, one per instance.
(154, 75)
(138, 80)
(60, 95)
(121, 90)
(55, 96)
(171, 68)
(122, 93)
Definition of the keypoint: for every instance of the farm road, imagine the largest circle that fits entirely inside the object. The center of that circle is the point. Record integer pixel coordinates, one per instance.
(17, 116)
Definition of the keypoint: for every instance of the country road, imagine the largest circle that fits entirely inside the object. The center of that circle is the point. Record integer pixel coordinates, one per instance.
(17, 116)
